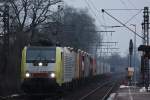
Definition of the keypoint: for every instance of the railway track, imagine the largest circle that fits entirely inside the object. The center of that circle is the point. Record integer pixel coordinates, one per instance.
(99, 90)
(100, 93)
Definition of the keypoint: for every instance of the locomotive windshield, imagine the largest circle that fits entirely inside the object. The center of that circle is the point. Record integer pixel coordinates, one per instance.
(41, 54)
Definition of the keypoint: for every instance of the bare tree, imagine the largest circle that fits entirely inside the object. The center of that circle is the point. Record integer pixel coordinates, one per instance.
(25, 16)
(30, 13)
(77, 30)
(81, 32)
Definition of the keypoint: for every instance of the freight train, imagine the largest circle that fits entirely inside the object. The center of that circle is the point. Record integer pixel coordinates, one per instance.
(48, 69)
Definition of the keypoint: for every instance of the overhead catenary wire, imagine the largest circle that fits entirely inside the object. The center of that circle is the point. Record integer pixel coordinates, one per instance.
(105, 28)
(132, 4)
(122, 23)
(94, 6)
(120, 9)
(96, 16)
(96, 9)
(126, 7)
(106, 31)
(104, 22)
(123, 9)
(124, 3)
(133, 16)
(89, 6)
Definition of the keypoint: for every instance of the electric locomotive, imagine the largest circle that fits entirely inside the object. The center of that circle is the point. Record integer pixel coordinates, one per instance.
(41, 68)
(52, 69)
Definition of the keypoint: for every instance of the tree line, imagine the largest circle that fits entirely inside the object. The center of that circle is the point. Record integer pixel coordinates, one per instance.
(31, 21)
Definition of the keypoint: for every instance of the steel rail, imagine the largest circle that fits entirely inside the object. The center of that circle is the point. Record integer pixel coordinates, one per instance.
(93, 91)
(109, 91)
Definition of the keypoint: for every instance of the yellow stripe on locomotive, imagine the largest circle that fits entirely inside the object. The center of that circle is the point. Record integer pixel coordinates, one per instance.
(23, 64)
(42, 62)
(59, 66)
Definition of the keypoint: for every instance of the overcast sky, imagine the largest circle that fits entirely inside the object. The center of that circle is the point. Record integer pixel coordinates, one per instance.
(121, 35)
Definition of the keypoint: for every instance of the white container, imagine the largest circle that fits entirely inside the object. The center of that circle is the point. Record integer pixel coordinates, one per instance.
(68, 65)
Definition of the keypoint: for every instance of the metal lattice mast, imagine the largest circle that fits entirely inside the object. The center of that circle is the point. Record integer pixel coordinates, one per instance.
(145, 26)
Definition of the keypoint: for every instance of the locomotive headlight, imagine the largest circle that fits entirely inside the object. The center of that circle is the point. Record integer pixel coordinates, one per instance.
(40, 64)
(52, 75)
(27, 75)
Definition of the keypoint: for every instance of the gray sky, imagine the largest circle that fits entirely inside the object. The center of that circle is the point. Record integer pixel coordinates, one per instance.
(121, 35)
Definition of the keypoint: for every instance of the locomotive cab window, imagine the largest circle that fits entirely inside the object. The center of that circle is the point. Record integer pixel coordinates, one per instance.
(36, 54)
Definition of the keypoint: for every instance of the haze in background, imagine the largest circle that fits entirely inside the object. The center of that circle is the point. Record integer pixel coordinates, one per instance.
(121, 34)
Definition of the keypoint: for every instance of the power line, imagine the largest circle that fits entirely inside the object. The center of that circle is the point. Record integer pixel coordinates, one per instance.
(128, 10)
(97, 11)
(123, 3)
(94, 6)
(108, 52)
(111, 48)
(110, 42)
(104, 22)
(132, 3)
(123, 9)
(133, 16)
(135, 8)
(99, 43)
(86, 1)
(122, 23)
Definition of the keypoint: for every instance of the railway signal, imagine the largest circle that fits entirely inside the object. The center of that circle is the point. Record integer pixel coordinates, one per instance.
(131, 47)
(145, 48)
